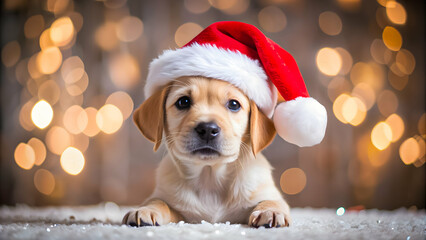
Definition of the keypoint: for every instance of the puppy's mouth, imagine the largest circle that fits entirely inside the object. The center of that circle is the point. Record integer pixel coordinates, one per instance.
(206, 150)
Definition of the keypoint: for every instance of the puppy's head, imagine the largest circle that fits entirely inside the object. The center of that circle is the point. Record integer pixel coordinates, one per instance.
(204, 120)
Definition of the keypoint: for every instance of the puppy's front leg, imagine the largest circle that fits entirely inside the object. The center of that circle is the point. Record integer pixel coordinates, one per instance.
(270, 214)
(155, 213)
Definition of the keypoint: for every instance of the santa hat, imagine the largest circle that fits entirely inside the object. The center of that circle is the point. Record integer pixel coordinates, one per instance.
(242, 55)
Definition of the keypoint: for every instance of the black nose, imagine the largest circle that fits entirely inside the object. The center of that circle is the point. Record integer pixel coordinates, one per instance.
(207, 130)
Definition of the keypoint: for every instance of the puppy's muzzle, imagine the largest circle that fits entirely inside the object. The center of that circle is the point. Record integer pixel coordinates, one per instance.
(207, 134)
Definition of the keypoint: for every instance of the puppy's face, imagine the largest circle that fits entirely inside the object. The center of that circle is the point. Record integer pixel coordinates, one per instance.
(206, 120)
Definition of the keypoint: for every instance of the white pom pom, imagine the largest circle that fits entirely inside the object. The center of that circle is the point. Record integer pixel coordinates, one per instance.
(301, 121)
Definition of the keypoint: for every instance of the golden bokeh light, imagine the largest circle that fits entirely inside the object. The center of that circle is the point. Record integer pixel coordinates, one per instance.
(197, 6)
(397, 82)
(32, 87)
(405, 61)
(10, 53)
(80, 142)
(109, 119)
(75, 119)
(81, 82)
(42, 114)
(62, 31)
(33, 26)
(57, 6)
(272, 19)
(347, 61)
(370, 73)
(378, 158)
(72, 69)
(44, 181)
(354, 111)
(409, 151)
(57, 140)
(366, 93)
(338, 106)
(222, 4)
(349, 5)
(72, 161)
(77, 20)
(45, 41)
(49, 60)
(186, 32)
(239, 6)
(24, 156)
(392, 38)
(39, 150)
(123, 101)
(422, 146)
(396, 12)
(421, 125)
(381, 135)
(330, 23)
(49, 91)
(387, 102)
(329, 61)
(397, 125)
(293, 181)
(337, 86)
(106, 37)
(33, 68)
(91, 128)
(124, 70)
(129, 29)
(380, 53)
(25, 116)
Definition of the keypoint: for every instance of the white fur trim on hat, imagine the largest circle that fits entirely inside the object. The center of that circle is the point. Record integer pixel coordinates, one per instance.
(301, 121)
(210, 61)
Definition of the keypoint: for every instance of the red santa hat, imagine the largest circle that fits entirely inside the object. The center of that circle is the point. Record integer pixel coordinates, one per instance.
(242, 55)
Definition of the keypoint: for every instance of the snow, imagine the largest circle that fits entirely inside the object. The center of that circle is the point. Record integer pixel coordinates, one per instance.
(103, 221)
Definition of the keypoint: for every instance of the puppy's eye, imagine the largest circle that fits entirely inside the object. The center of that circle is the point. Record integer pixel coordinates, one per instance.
(183, 103)
(234, 105)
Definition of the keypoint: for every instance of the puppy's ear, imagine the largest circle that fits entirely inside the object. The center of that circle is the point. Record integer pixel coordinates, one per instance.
(262, 130)
(149, 117)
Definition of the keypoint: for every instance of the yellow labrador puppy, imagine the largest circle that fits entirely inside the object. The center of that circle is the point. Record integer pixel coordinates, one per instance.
(214, 170)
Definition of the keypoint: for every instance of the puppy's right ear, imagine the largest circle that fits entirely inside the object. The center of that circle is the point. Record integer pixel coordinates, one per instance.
(149, 117)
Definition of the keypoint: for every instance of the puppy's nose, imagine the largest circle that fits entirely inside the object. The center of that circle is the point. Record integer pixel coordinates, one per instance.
(207, 130)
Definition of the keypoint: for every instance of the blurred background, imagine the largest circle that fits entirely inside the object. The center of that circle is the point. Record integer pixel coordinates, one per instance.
(72, 71)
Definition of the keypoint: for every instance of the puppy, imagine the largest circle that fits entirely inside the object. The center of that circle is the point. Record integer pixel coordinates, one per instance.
(214, 170)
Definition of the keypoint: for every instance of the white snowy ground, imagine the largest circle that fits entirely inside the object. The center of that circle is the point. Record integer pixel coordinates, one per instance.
(103, 222)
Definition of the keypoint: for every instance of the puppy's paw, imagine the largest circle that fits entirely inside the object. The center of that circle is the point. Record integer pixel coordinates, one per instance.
(269, 219)
(143, 216)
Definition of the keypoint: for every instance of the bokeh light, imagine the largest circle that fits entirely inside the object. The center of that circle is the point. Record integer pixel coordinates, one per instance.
(392, 38)
(24, 156)
(129, 29)
(365, 93)
(370, 73)
(124, 70)
(397, 82)
(338, 106)
(25, 116)
(387, 102)
(380, 53)
(49, 91)
(337, 86)
(349, 5)
(197, 6)
(42, 114)
(33, 26)
(376, 157)
(123, 101)
(272, 19)
(62, 31)
(329, 61)
(405, 61)
(347, 61)
(49, 60)
(396, 12)
(354, 111)
(106, 37)
(186, 32)
(397, 125)
(293, 181)
(57, 140)
(39, 150)
(340, 211)
(421, 125)
(72, 69)
(330, 23)
(109, 119)
(72, 161)
(409, 151)
(91, 128)
(45, 40)
(381, 135)
(44, 181)
(10, 53)
(75, 119)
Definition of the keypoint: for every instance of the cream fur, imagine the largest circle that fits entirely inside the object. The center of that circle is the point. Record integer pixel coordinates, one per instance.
(213, 62)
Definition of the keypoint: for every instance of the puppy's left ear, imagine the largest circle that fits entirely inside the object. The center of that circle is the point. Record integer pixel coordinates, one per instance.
(149, 117)
(262, 130)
